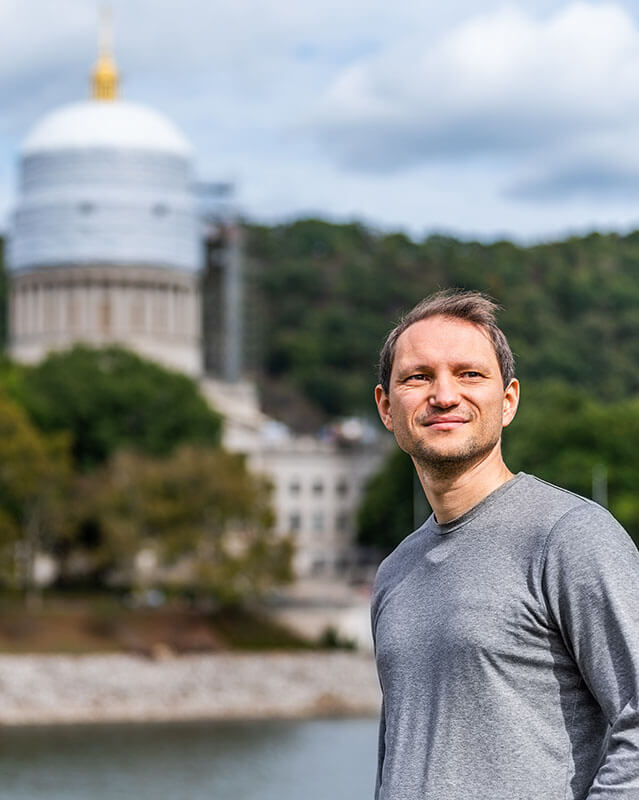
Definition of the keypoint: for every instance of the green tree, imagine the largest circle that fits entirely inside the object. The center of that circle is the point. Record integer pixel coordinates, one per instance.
(199, 508)
(4, 298)
(110, 399)
(34, 481)
(393, 504)
(564, 435)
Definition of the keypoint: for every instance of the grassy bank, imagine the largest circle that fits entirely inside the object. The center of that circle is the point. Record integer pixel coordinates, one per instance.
(108, 624)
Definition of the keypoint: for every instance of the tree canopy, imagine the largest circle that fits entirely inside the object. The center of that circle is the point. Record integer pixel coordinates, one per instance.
(106, 457)
(34, 480)
(109, 399)
(387, 513)
(200, 509)
(332, 292)
(570, 438)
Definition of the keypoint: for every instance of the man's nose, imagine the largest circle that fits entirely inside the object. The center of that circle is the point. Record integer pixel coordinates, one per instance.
(444, 392)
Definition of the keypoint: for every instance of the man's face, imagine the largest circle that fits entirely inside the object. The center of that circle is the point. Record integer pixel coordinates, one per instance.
(446, 404)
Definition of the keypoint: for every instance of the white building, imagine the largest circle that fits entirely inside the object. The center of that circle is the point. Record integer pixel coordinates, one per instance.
(318, 487)
(318, 484)
(106, 246)
(104, 243)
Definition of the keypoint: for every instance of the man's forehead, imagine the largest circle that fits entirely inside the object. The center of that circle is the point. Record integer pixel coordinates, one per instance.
(442, 333)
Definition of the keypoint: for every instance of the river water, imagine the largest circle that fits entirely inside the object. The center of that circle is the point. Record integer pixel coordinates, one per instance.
(275, 760)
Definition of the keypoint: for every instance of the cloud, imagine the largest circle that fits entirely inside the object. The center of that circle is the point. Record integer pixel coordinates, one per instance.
(499, 86)
(580, 180)
(410, 113)
(598, 173)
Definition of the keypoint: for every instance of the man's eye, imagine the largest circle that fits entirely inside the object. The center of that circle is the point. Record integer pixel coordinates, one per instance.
(418, 376)
(469, 373)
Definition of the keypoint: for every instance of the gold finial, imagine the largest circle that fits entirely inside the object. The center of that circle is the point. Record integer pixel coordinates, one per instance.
(104, 78)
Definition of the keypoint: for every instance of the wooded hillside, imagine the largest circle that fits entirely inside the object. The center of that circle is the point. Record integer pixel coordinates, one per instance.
(332, 292)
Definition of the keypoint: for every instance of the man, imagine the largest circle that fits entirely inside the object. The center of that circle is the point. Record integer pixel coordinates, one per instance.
(507, 627)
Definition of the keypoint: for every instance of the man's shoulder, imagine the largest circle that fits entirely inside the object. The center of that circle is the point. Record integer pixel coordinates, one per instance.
(537, 497)
(531, 514)
(529, 505)
(574, 522)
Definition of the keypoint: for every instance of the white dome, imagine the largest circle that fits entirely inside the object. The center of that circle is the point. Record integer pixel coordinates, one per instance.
(105, 182)
(99, 124)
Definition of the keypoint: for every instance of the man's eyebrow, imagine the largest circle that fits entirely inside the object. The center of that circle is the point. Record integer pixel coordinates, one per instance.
(477, 365)
(415, 366)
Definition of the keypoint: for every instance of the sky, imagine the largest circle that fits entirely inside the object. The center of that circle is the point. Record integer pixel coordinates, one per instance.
(480, 120)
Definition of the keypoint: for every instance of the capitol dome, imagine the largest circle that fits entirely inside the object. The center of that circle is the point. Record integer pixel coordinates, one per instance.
(117, 124)
(104, 242)
(105, 182)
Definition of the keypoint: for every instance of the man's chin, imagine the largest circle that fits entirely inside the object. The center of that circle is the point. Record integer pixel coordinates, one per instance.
(446, 453)
(443, 462)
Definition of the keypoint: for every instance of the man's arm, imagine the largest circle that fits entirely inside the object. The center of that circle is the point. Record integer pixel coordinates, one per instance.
(591, 584)
(381, 744)
(381, 750)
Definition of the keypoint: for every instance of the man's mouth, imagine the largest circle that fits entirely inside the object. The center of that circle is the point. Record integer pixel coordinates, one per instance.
(445, 423)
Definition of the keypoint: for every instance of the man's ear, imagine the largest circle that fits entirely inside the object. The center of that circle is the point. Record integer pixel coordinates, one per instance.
(511, 402)
(383, 407)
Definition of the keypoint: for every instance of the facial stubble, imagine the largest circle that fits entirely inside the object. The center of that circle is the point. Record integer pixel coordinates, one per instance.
(446, 465)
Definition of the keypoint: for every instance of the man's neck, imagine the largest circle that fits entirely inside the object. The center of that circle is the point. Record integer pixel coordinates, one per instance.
(452, 496)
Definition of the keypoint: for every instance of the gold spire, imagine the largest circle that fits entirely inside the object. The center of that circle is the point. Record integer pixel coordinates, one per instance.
(104, 78)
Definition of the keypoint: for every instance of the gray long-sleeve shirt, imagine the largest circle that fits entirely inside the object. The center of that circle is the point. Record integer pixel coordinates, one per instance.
(507, 646)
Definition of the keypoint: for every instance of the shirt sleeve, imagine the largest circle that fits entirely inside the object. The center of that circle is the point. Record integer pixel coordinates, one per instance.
(591, 585)
(381, 743)
(381, 751)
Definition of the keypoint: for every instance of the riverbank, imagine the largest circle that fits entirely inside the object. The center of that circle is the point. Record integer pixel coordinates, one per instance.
(44, 689)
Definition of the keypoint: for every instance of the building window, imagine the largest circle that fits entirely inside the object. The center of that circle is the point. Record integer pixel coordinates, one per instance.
(295, 522)
(86, 207)
(318, 522)
(294, 487)
(160, 210)
(342, 487)
(318, 567)
(341, 522)
(318, 487)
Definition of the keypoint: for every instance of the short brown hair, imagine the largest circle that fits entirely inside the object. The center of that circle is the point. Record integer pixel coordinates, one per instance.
(474, 307)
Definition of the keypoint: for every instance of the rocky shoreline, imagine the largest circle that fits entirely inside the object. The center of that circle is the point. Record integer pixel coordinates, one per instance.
(47, 689)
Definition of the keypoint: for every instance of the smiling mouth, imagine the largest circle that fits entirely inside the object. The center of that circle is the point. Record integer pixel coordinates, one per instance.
(446, 423)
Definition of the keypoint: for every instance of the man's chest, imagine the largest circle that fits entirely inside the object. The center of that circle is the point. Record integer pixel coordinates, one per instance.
(471, 606)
